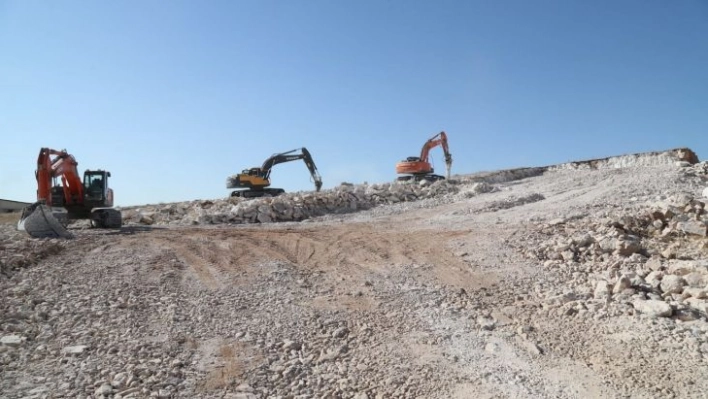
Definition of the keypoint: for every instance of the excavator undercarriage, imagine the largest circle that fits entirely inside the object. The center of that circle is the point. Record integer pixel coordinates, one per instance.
(42, 221)
(427, 177)
(106, 218)
(410, 171)
(255, 193)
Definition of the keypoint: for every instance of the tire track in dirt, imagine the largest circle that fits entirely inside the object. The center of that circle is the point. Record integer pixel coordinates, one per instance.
(354, 252)
(190, 254)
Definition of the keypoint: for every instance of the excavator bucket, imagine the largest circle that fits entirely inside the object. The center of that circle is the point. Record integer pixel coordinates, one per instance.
(40, 221)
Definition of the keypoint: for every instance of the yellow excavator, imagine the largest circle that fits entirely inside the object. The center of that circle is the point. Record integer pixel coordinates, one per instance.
(255, 182)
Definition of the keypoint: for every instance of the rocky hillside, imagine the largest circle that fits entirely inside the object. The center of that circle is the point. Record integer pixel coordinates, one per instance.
(348, 197)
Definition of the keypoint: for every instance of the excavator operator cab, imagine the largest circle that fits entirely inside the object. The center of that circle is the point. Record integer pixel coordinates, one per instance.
(252, 172)
(96, 184)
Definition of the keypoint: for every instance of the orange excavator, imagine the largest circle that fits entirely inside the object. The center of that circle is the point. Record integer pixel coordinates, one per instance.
(72, 199)
(419, 168)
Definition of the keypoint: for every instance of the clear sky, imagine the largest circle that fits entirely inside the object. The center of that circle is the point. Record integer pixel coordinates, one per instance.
(174, 96)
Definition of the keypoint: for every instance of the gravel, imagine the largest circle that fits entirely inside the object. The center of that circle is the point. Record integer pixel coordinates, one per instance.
(579, 280)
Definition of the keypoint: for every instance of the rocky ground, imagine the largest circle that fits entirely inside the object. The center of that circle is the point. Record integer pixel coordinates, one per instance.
(580, 280)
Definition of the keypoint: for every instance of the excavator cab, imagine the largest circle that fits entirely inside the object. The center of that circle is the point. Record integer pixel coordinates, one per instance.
(252, 172)
(252, 179)
(96, 191)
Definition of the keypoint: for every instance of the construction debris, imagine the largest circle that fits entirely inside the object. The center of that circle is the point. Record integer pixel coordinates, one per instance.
(288, 207)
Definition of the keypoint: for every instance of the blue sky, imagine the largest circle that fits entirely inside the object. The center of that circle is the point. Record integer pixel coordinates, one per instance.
(174, 96)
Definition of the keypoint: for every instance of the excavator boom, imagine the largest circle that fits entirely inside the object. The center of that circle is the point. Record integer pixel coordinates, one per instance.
(257, 180)
(63, 165)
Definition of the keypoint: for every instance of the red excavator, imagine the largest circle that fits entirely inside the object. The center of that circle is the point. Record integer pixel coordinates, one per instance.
(72, 199)
(419, 168)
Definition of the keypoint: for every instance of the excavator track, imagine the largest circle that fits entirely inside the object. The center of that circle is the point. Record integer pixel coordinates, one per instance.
(417, 178)
(106, 218)
(267, 192)
(42, 221)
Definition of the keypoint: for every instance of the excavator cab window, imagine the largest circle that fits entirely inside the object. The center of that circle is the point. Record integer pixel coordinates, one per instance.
(94, 185)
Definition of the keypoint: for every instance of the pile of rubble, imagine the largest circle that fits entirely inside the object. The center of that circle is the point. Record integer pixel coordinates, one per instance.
(17, 250)
(503, 176)
(680, 156)
(651, 261)
(290, 206)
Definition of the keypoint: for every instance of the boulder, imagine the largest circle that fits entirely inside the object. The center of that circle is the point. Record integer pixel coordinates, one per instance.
(602, 290)
(694, 227)
(698, 304)
(684, 267)
(687, 314)
(628, 246)
(654, 278)
(12, 340)
(75, 350)
(654, 263)
(622, 284)
(608, 244)
(672, 284)
(696, 279)
(146, 218)
(692, 292)
(653, 308)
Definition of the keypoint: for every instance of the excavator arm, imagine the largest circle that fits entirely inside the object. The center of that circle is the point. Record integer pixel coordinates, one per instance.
(314, 173)
(439, 139)
(63, 165)
(288, 156)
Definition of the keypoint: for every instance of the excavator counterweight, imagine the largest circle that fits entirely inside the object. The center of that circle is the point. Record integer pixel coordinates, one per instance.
(419, 168)
(255, 182)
